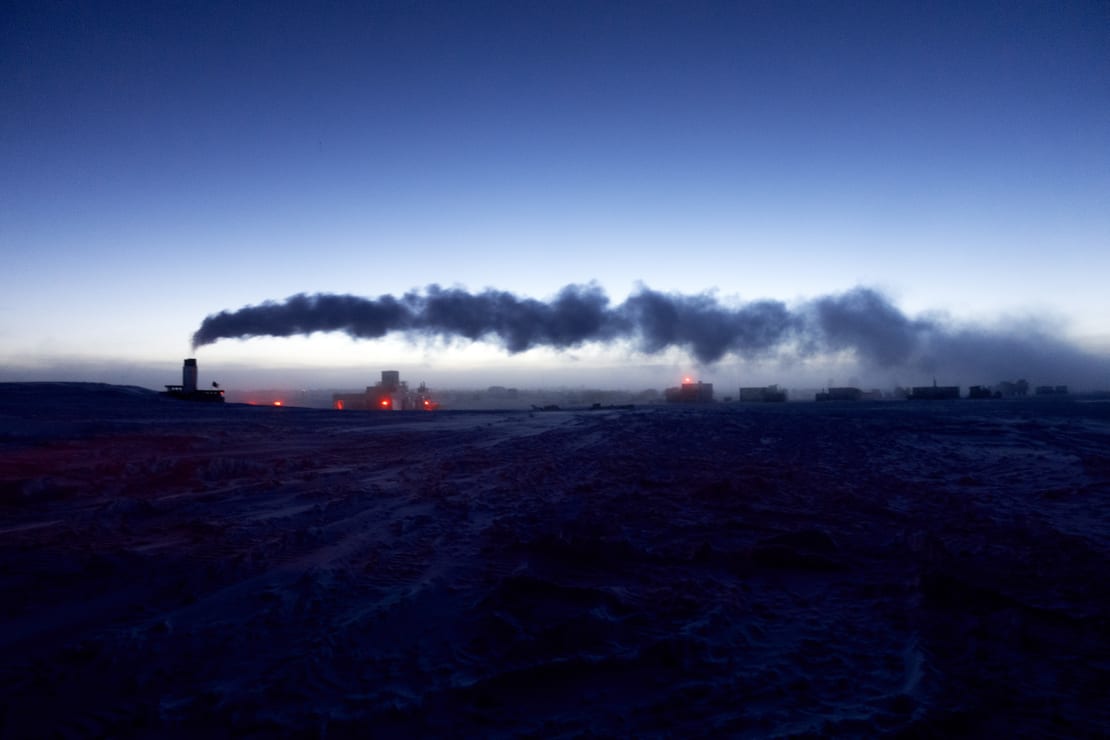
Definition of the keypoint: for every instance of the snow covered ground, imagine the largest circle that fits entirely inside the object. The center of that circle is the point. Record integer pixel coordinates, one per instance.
(918, 569)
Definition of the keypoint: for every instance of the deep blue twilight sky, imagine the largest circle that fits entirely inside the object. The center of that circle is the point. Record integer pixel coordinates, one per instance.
(162, 161)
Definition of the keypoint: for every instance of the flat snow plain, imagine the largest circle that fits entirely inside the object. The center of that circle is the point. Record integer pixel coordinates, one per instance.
(910, 569)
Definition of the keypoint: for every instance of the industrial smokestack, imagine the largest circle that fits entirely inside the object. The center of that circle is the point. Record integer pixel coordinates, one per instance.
(189, 376)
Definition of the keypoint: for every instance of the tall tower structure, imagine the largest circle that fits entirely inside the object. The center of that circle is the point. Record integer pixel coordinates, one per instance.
(189, 376)
(391, 380)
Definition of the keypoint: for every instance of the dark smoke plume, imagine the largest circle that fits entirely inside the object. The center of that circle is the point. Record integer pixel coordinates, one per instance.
(362, 318)
(578, 314)
(861, 321)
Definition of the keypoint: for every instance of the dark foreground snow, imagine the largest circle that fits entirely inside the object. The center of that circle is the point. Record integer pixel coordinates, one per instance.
(907, 569)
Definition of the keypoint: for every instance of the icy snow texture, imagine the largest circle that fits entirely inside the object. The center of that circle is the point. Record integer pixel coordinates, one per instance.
(929, 569)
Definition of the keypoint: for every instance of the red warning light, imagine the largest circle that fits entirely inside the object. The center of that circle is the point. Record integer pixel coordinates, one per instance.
(277, 403)
(384, 403)
(339, 405)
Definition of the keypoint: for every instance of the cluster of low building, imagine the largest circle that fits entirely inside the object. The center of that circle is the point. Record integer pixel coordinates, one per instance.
(690, 392)
(699, 392)
(762, 394)
(848, 393)
(390, 394)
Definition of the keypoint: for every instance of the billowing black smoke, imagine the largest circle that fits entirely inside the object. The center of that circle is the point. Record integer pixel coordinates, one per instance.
(577, 315)
(704, 327)
(303, 314)
(866, 322)
(862, 322)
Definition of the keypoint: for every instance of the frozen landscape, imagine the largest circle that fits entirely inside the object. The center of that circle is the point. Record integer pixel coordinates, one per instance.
(859, 569)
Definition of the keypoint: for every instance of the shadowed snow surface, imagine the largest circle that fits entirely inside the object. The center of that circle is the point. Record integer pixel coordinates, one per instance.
(868, 569)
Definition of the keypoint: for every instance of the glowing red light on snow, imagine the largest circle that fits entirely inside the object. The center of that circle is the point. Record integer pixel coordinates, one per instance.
(277, 403)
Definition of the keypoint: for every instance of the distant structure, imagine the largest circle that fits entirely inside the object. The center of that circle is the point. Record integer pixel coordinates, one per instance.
(390, 394)
(840, 394)
(1014, 389)
(767, 394)
(690, 392)
(391, 381)
(188, 390)
(934, 392)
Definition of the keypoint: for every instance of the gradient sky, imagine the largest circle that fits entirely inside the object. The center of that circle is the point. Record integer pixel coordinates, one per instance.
(161, 161)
